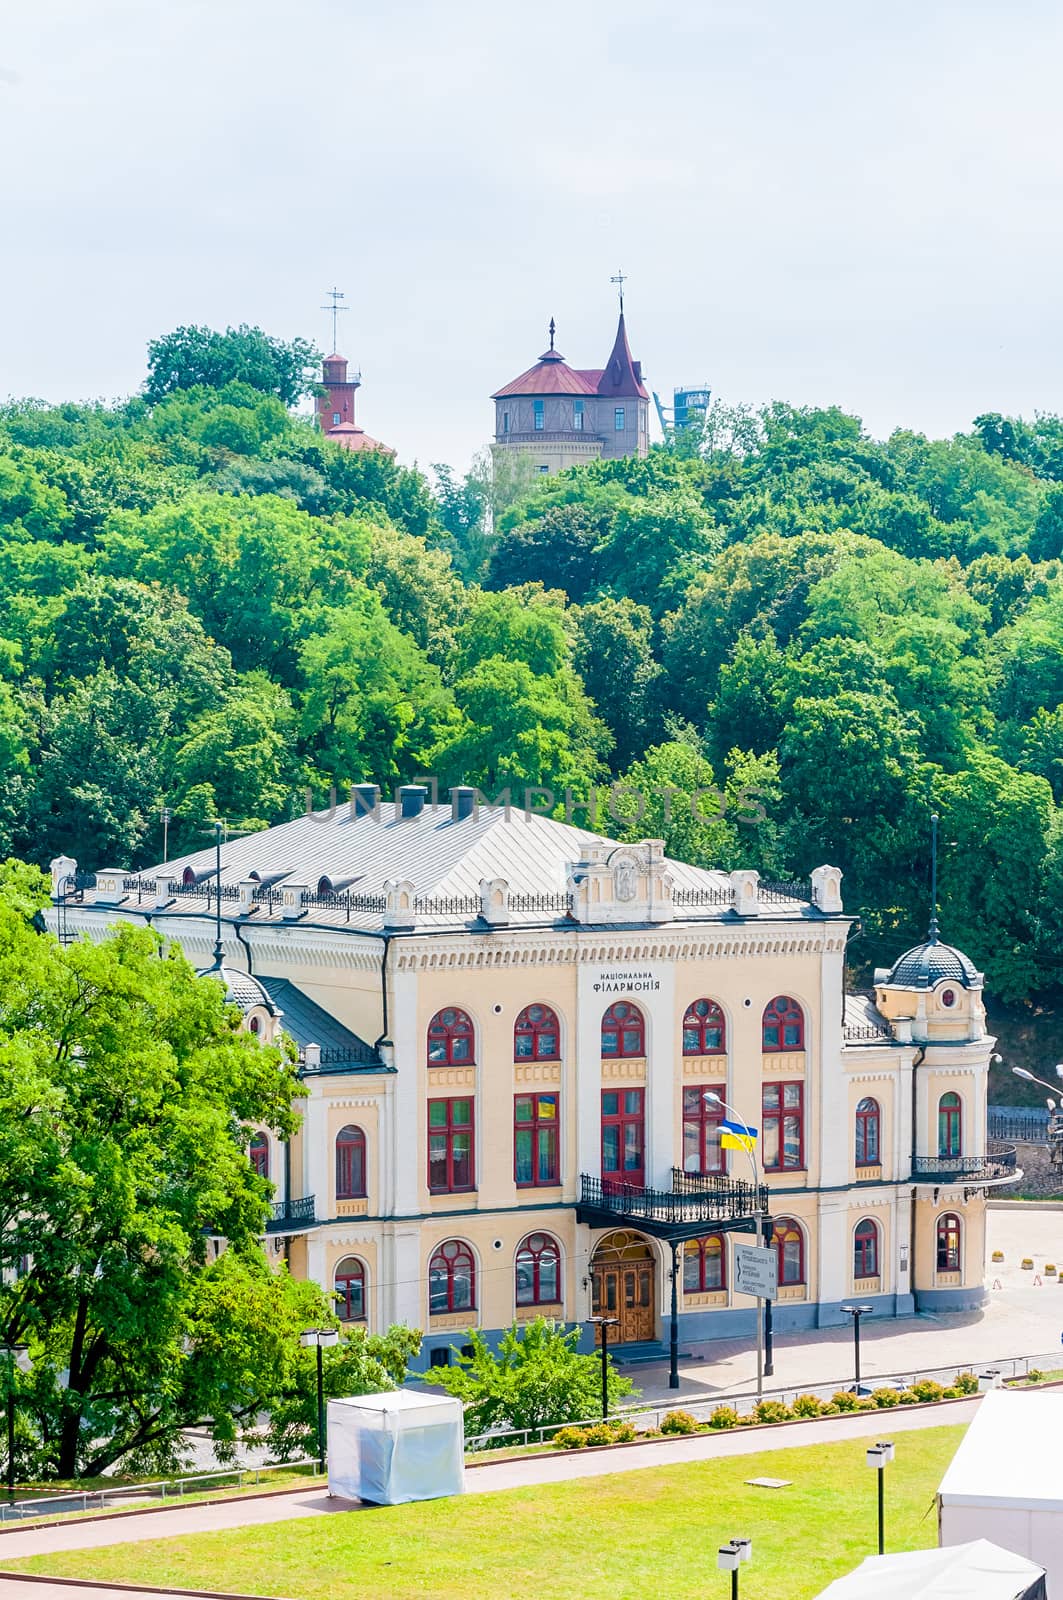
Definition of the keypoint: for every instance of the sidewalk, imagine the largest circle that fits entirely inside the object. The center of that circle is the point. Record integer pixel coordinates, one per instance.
(518, 1473)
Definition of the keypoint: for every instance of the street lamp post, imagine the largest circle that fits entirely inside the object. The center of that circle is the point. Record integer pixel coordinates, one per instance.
(877, 1456)
(322, 1338)
(17, 1355)
(731, 1556)
(605, 1323)
(763, 1306)
(856, 1312)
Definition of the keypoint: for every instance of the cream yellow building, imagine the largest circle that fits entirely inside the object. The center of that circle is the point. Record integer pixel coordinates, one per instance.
(518, 1039)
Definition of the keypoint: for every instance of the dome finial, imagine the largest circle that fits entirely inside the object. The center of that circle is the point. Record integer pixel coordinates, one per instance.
(932, 935)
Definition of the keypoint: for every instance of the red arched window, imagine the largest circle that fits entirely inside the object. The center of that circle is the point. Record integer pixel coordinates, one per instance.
(450, 1039)
(349, 1285)
(255, 1024)
(704, 1265)
(950, 1125)
(350, 1164)
(536, 1035)
(703, 1030)
(623, 1031)
(789, 1244)
(258, 1150)
(452, 1279)
(538, 1271)
(783, 1025)
(865, 1249)
(948, 1242)
(867, 1132)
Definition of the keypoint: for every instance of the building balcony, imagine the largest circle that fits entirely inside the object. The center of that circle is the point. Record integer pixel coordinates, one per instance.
(292, 1216)
(694, 1205)
(996, 1168)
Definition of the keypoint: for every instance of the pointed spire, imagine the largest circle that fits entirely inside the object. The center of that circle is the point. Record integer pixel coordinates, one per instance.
(932, 935)
(622, 377)
(553, 329)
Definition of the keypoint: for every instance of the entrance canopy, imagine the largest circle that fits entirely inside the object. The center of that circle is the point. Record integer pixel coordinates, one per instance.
(978, 1571)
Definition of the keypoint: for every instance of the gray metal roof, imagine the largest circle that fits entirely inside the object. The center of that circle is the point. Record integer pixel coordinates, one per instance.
(927, 964)
(309, 1023)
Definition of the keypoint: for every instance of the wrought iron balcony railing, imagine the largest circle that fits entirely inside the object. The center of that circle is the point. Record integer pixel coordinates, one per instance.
(996, 1166)
(692, 1198)
(286, 1212)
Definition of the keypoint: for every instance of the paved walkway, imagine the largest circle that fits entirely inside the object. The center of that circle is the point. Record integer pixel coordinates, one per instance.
(27, 1589)
(521, 1472)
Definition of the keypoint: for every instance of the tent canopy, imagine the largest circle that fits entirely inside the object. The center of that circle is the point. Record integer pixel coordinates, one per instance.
(978, 1571)
(1010, 1454)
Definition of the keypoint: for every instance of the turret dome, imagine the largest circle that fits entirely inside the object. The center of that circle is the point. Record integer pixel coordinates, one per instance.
(931, 963)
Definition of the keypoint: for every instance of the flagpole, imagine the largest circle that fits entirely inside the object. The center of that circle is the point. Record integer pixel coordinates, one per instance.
(751, 1139)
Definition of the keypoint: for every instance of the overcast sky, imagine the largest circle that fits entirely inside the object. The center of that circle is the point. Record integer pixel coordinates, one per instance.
(823, 202)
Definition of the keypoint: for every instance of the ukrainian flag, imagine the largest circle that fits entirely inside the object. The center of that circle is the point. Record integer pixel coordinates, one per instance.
(736, 1136)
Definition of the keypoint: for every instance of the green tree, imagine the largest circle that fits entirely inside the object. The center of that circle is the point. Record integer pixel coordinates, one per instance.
(614, 657)
(362, 1363)
(127, 1101)
(535, 1378)
(196, 355)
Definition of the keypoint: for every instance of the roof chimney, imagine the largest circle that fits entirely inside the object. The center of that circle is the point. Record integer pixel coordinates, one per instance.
(462, 802)
(411, 799)
(365, 800)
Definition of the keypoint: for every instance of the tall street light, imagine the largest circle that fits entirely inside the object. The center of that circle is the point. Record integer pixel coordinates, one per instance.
(17, 1355)
(605, 1323)
(856, 1312)
(877, 1456)
(731, 1556)
(1021, 1072)
(322, 1338)
(769, 1350)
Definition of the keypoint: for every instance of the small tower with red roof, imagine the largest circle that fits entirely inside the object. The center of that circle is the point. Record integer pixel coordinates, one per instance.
(562, 415)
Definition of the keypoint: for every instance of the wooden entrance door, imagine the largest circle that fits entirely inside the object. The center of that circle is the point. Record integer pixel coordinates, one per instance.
(622, 1279)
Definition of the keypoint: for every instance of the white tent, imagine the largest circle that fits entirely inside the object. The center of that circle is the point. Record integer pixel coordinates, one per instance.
(390, 1448)
(978, 1571)
(1005, 1481)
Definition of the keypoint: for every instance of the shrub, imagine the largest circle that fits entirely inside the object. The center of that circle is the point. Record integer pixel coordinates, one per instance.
(1034, 1375)
(678, 1422)
(623, 1432)
(830, 1409)
(598, 1433)
(886, 1398)
(926, 1389)
(844, 1400)
(747, 1421)
(808, 1405)
(570, 1438)
(951, 1393)
(772, 1411)
(864, 1402)
(724, 1417)
(966, 1382)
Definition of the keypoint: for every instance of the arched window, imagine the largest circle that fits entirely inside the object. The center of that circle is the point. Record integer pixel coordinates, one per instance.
(867, 1131)
(789, 1244)
(258, 1150)
(623, 1031)
(950, 1125)
(450, 1039)
(255, 1024)
(783, 1025)
(703, 1029)
(350, 1164)
(536, 1035)
(948, 1241)
(704, 1265)
(538, 1271)
(865, 1249)
(349, 1284)
(452, 1279)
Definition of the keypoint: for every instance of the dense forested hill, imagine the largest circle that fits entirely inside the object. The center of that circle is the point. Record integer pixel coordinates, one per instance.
(205, 604)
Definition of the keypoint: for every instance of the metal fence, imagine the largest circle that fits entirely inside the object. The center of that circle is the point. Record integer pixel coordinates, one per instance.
(164, 1489)
(1019, 1122)
(646, 1417)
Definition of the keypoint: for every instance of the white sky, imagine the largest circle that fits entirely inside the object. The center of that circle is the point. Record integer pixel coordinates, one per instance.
(819, 202)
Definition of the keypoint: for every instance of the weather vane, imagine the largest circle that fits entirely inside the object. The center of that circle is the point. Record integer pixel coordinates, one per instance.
(335, 295)
(620, 280)
(553, 330)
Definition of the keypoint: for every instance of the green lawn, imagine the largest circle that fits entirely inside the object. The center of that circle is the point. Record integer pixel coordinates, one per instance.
(632, 1534)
